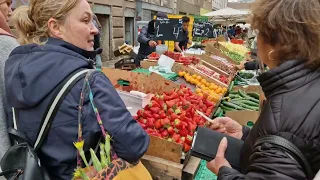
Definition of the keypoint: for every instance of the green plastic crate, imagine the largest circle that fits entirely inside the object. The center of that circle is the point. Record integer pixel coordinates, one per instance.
(204, 173)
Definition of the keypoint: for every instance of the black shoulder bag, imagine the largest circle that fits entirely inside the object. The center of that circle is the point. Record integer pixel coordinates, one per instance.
(289, 148)
(21, 160)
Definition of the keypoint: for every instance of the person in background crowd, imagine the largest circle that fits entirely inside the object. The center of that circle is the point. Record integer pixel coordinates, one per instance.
(97, 44)
(7, 43)
(225, 34)
(59, 38)
(238, 31)
(183, 40)
(147, 41)
(291, 87)
(231, 32)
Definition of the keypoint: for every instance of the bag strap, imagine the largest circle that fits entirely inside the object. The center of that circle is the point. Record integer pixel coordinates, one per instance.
(86, 91)
(55, 103)
(290, 148)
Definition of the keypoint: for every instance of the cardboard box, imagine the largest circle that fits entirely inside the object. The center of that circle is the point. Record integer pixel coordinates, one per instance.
(253, 89)
(152, 83)
(243, 117)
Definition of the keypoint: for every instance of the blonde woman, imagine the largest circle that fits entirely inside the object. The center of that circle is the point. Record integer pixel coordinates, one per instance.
(59, 38)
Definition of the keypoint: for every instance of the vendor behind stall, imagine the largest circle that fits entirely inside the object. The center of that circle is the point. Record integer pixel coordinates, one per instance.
(147, 41)
(183, 40)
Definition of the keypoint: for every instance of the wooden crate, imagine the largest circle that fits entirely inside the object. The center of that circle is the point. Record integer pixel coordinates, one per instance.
(178, 67)
(161, 169)
(164, 160)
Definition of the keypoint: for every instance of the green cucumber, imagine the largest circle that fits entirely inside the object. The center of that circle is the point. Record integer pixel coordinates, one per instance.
(233, 92)
(253, 100)
(233, 96)
(243, 94)
(225, 108)
(218, 112)
(231, 105)
(246, 106)
(250, 103)
(237, 99)
(231, 86)
(254, 95)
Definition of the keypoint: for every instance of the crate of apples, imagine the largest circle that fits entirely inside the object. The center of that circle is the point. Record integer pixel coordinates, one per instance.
(172, 115)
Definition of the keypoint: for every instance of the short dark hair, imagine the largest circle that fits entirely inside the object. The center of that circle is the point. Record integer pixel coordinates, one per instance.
(185, 19)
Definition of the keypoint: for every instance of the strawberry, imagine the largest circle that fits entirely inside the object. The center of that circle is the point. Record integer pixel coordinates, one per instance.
(150, 122)
(170, 130)
(170, 111)
(157, 124)
(188, 140)
(154, 104)
(176, 137)
(170, 104)
(184, 124)
(170, 139)
(180, 142)
(140, 112)
(162, 115)
(156, 116)
(174, 116)
(164, 134)
(177, 124)
(164, 121)
(155, 109)
(147, 114)
(186, 147)
(166, 98)
(208, 103)
(182, 115)
(183, 132)
(174, 95)
(192, 126)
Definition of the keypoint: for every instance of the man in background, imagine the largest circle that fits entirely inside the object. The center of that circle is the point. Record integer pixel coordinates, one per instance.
(147, 41)
(183, 40)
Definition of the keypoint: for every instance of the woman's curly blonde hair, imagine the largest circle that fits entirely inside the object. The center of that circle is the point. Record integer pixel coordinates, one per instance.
(291, 26)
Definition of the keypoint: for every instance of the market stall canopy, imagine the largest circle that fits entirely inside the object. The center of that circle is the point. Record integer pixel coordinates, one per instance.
(227, 14)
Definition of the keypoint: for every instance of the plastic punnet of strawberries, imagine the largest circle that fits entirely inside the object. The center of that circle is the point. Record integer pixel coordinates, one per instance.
(172, 115)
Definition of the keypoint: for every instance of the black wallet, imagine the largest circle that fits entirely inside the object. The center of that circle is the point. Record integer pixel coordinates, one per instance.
(206, 142)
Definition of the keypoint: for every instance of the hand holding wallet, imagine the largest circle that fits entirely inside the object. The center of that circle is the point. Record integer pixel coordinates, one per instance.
(206, 142)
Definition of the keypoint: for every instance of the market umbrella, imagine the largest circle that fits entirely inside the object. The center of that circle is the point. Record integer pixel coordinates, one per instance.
(227, 14)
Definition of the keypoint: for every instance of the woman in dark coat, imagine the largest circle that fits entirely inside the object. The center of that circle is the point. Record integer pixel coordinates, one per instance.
(289, 44)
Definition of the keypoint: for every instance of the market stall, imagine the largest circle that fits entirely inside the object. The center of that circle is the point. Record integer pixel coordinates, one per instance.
(173, 93)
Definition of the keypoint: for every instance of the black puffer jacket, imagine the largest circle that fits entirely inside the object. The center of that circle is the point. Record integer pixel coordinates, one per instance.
(292, 111)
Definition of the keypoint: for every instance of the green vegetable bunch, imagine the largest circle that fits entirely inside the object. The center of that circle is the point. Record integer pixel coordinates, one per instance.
(105, 158)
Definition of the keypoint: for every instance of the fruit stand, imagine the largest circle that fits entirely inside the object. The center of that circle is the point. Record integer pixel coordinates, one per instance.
(204, 84)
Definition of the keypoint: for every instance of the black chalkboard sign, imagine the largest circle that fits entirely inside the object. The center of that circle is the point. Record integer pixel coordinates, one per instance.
(168, 29)
(203, 29)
